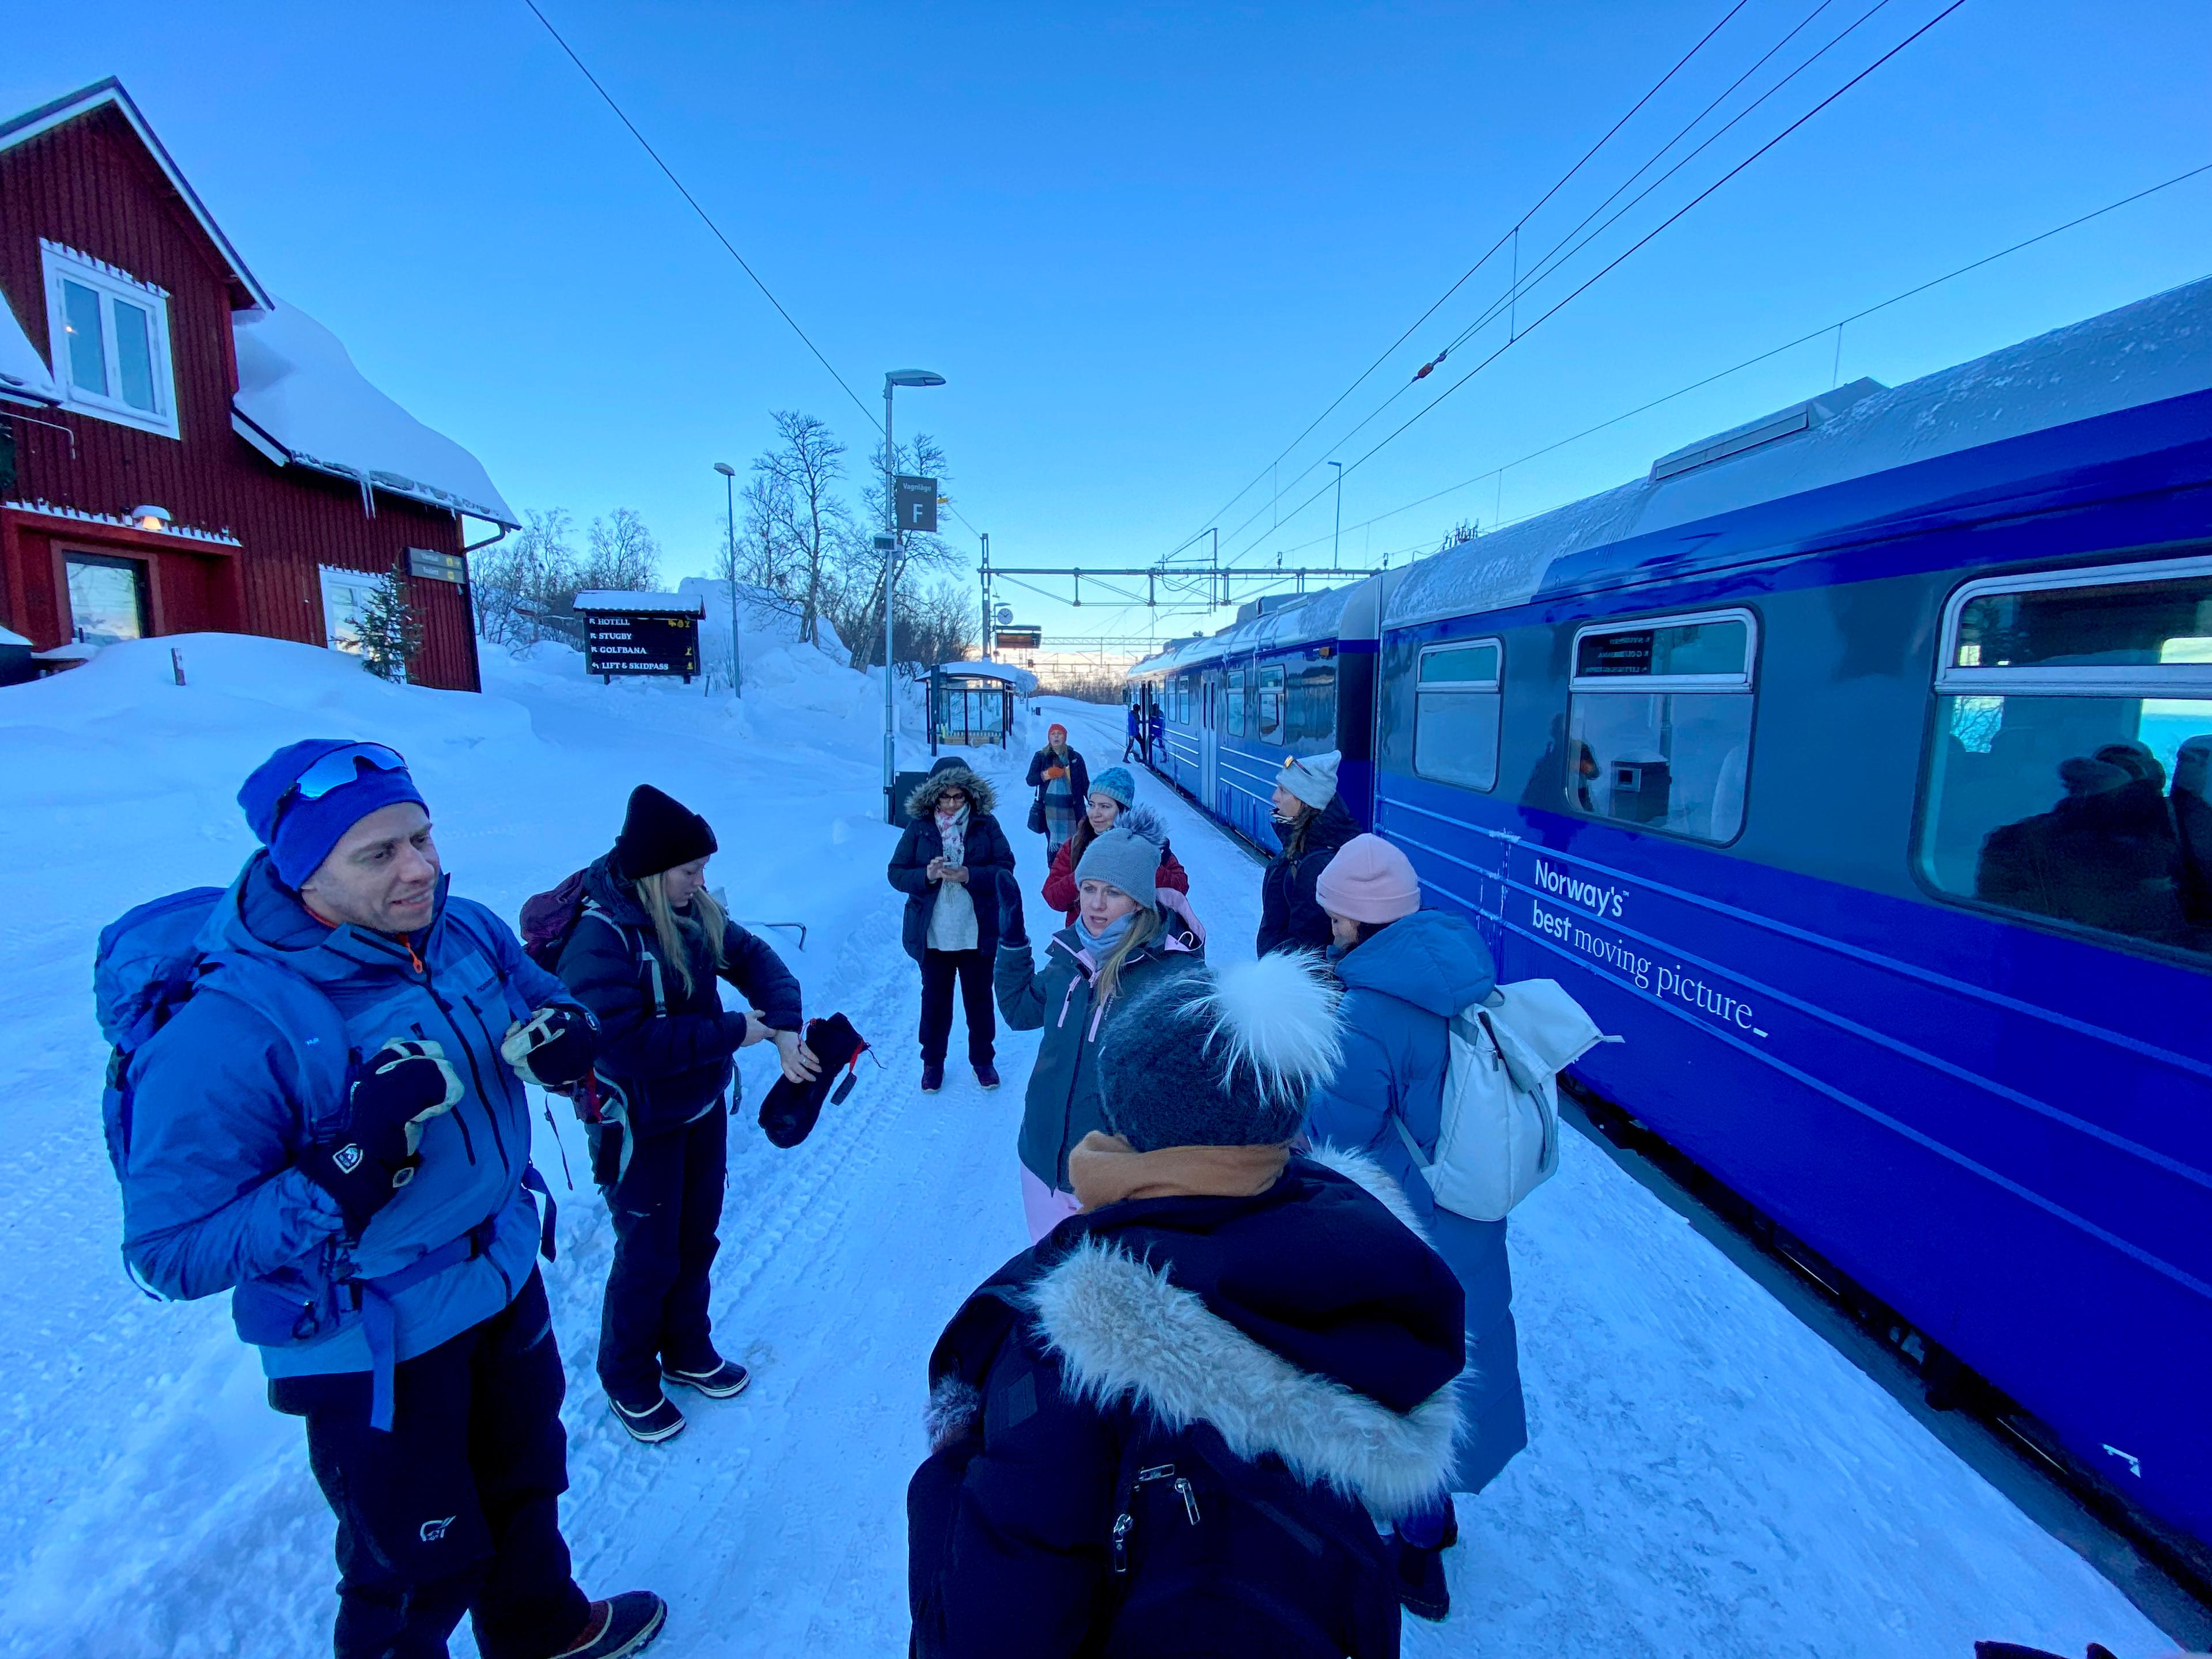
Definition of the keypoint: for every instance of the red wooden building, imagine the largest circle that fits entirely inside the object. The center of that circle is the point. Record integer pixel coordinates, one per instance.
(180, 451)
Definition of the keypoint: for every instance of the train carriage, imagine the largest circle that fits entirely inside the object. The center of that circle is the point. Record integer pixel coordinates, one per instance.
(1853, 764)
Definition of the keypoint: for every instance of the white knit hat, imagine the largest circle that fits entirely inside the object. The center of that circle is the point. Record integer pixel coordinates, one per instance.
(1312, 778)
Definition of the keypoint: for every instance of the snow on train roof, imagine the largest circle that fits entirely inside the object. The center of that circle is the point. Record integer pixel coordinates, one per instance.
(1311, 616)
(2155, 349)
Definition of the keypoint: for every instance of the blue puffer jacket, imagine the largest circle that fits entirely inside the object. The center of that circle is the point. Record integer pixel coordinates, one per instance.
(227, 1093)
(1401, 987)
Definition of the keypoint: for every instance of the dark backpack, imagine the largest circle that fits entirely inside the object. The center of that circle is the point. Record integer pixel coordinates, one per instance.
(1212, 1553)
(548, 919)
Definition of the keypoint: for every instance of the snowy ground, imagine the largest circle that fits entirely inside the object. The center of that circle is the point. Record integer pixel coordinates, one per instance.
(1705, 1477)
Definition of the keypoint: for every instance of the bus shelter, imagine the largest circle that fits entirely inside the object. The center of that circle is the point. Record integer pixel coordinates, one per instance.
(972, 702)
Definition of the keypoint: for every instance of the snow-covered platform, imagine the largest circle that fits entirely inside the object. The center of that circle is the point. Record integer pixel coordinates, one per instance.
(1705, 1476)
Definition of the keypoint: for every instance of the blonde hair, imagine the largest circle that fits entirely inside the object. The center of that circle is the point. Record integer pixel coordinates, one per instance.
(705, 919)
(1144, 922)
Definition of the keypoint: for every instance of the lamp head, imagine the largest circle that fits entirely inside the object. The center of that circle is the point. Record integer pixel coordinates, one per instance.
(913, 377)
(726, 469)
(150, 518)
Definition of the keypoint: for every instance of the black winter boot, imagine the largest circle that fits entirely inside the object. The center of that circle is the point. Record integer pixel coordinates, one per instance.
(720, 1380)
(651, 1421)
(618, 1627)
(1422, 1590)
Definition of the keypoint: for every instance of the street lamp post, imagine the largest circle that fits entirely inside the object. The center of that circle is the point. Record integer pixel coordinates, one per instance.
(895, 378)
(1336, 546)
(730, 493)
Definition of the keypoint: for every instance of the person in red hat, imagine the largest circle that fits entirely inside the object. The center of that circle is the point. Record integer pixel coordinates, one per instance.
(1063, 781)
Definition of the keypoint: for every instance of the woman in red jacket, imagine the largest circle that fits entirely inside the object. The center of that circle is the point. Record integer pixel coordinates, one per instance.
(1110, 803)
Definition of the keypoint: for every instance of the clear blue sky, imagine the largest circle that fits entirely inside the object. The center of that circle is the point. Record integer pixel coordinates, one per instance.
(1146, 244)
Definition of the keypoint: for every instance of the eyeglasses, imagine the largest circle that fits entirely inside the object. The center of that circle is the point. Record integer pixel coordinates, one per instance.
(336, 769)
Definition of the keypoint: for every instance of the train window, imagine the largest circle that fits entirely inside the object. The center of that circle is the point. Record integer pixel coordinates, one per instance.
(2069, 779)
(1235, 704)
(1459, 700)
(1659, 723)
(1310, 707)
(1270, 727)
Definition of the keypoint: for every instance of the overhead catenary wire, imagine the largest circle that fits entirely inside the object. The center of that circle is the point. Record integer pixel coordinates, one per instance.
(1507, 303)
(705, 218)
(1620, 258)
(1806, 338)
(1503, 239)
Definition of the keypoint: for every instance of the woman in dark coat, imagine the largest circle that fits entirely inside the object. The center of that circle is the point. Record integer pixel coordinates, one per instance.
(1160, 1431)
(1312, 823)
(1062, 778)
(1406, 972)
(646, 957)
(946, 865)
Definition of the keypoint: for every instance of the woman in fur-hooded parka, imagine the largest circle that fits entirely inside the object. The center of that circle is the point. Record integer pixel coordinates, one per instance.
(1161, 1430)
(988, 849)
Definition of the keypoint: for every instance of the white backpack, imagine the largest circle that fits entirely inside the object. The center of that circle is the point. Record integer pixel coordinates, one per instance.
(1500, 1139)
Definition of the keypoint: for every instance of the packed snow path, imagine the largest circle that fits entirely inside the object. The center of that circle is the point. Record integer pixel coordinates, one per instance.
(1705, 1476)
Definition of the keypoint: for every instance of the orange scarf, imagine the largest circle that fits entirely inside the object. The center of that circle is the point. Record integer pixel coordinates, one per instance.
(1106, 1169)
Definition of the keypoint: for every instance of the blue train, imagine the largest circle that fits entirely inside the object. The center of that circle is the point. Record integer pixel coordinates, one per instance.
(1853, 763)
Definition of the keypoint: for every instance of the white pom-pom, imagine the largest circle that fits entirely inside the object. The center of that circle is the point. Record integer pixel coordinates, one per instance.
(1278, 1016)
(1144, 822)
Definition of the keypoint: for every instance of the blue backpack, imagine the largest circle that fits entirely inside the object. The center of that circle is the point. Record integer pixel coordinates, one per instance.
(150, 961)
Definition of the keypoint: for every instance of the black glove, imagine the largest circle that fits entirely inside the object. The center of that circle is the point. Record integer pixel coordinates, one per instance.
(554, 1047)
(1011, 929)
(375, 1154)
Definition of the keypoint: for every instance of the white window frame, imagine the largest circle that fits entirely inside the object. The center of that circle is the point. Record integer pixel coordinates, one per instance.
(1493, 686)
(2113, 680)
(58, 262)
(330, 575)
(1653, 683)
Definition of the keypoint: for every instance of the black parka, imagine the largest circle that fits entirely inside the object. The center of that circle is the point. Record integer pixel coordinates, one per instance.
(988, 852)
(674, 1066)
(1290, 917)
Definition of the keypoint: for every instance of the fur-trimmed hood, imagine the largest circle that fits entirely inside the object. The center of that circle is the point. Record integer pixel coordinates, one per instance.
(951, 773)
(1310, 1322)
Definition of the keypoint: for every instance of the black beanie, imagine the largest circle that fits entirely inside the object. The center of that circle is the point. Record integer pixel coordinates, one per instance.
(659, 832)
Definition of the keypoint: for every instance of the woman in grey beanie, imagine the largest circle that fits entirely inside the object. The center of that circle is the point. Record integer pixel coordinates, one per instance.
(1121, 936)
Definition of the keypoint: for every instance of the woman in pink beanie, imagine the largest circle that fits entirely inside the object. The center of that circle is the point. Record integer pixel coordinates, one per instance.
(1406, 972)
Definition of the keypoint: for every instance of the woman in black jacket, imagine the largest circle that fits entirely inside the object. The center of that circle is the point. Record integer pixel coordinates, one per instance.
(946, 865)
(1312, 823)
(646, 957)
(1160, 1431)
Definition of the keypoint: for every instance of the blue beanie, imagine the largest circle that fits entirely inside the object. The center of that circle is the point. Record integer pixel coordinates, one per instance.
(299, 834)
(1115, 783)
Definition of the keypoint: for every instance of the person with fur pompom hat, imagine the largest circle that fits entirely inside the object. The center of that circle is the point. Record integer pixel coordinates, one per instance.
(1163, 1429)
(1406, 971)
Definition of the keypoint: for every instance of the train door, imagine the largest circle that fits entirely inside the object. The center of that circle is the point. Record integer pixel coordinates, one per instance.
(1209, 739)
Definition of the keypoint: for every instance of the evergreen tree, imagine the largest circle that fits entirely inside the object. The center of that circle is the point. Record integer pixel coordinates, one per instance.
(391, 632)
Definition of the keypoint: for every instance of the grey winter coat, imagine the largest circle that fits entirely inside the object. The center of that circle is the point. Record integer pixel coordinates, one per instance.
(1062, 1105)
(1401, 987)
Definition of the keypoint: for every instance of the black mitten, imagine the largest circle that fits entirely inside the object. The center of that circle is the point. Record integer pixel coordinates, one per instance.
(553, 1048)
(407, 1083)
(1012, 930)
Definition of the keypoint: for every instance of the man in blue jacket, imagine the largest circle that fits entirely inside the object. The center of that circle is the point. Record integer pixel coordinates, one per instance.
(334, 1128)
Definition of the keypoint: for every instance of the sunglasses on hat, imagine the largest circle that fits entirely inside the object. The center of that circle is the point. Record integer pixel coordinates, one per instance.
(336, 769)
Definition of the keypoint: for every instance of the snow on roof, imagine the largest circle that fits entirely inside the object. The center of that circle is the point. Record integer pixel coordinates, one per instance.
(23, 374)
(2144, 353)
(298, 387)
(9, 636)
(1021, 679)
(603, 598)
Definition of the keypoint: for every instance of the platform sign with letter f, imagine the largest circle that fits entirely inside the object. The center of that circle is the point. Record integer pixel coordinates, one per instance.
(916, 501)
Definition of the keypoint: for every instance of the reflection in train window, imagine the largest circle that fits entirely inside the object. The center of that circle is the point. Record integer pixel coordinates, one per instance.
(1310, 707)
(1659, 724)
(2069, 775)
(1270, 727)
(1236, 701)
(1458, 703)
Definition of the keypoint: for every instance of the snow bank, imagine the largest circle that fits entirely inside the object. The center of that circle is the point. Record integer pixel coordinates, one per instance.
(298, 385)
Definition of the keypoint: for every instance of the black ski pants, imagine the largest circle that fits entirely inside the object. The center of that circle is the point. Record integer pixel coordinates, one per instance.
(458, 1508)
(973, 970)
(666, 1208)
